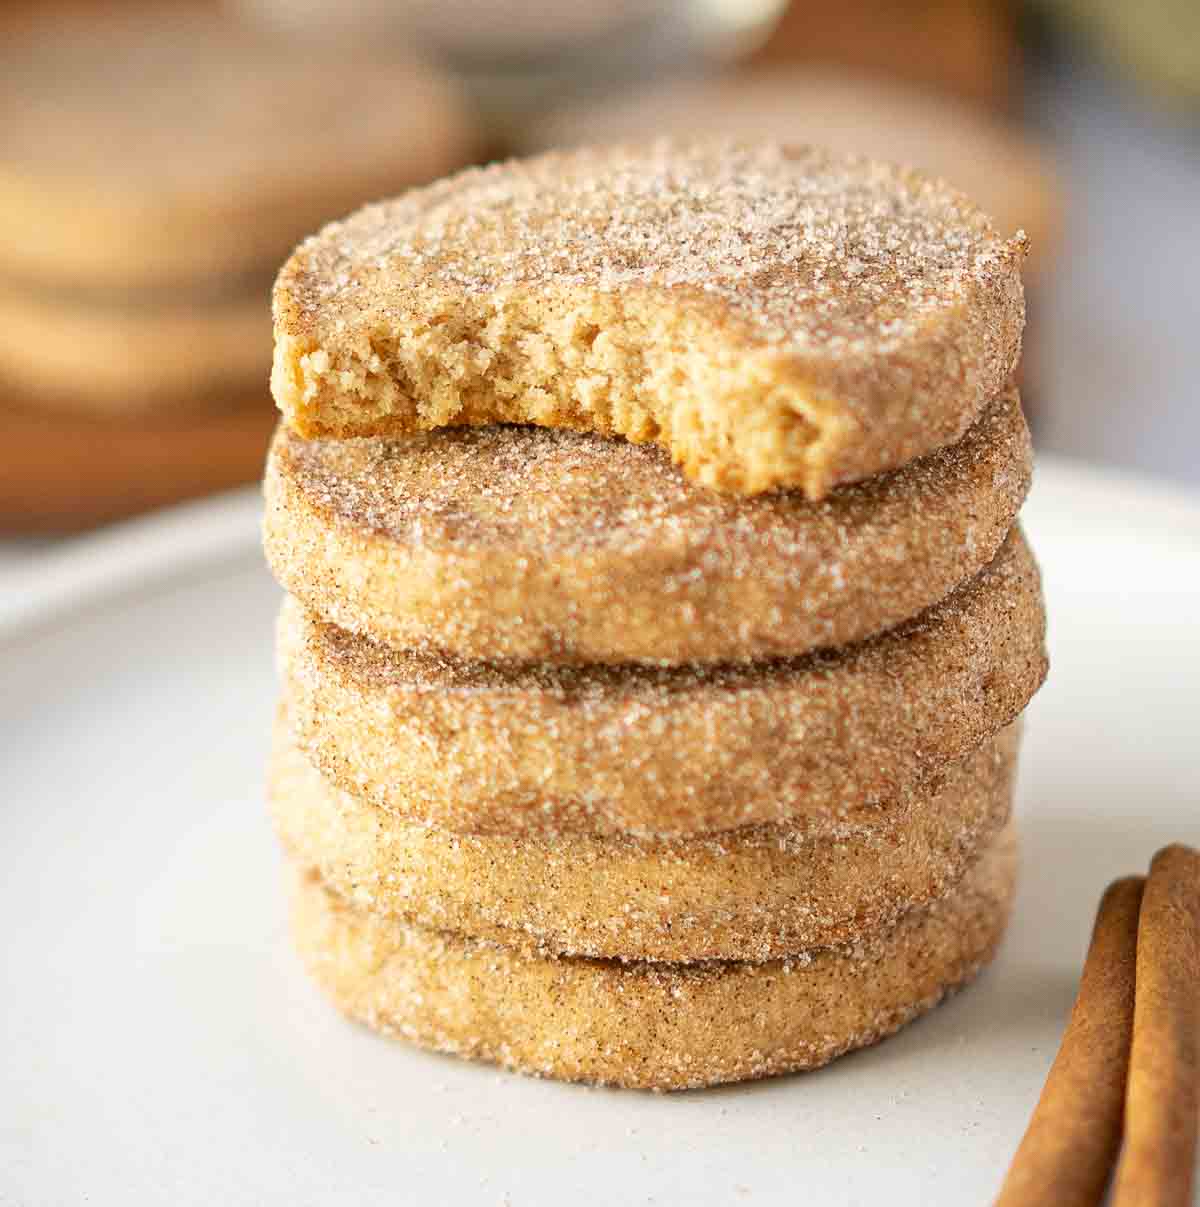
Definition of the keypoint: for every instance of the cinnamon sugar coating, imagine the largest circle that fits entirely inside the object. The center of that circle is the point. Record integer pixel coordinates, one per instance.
(485, 747)
(997, 164)
(650, 1026)
(770, 316)
(530, 544)
(752, 894)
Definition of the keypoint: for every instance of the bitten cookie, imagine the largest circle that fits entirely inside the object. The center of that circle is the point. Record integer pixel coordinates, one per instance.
(522, 543)
(770, 316)
(482, 747)
(650, 1026)
(753, 894)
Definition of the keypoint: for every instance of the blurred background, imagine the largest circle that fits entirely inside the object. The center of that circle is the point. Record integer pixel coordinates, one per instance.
(158, 162)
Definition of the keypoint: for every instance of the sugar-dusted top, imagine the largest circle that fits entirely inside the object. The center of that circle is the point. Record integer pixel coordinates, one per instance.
(813, 251)
(999, 166)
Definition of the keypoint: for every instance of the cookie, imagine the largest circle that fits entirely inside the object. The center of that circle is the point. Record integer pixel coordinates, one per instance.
(64, 473)
(650, 1026)
(752, 894)
(770, 316)
(160, 147)
(996, 165)
(482, 747)
(71, 354)
(525, 543)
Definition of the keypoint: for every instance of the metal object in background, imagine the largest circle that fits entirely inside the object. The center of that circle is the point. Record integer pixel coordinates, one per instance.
(1155, 42)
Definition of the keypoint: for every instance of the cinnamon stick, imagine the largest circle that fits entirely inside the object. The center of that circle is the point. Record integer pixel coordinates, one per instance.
(1162, 1102)
(1072, 1141)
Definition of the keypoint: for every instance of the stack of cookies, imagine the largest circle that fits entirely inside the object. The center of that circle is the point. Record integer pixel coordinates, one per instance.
(155, 165)
(658, 623)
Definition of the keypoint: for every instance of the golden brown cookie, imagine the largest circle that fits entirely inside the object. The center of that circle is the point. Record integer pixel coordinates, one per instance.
(161, 354)
(770, 316)
(482, 748)
(751, 894)
(650, 1026)
(523, 543)
(161, 146)
(998, 166)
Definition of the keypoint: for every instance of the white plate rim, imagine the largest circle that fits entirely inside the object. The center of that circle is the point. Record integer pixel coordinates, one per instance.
(132, 556)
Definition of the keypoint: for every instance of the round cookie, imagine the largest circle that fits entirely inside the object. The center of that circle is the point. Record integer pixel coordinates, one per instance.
(651, 1026)
(771, 316)
(523, 543)
(753, 894)
(74, 355)
(996, 166)
(159, 147)
(484, 748)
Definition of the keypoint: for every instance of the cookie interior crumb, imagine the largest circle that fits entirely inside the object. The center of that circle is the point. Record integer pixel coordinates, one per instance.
(771, 316)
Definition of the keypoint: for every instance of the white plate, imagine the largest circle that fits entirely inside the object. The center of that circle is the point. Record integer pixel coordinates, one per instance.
(159, 1043)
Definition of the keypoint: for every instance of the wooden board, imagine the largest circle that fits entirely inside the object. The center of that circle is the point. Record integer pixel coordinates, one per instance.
(965, 47)
(65, 473)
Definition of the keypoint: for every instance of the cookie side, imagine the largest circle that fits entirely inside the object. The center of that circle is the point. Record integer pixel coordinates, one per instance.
(754, 894)
(666, 751)
(650, 1026)
(536, 545)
